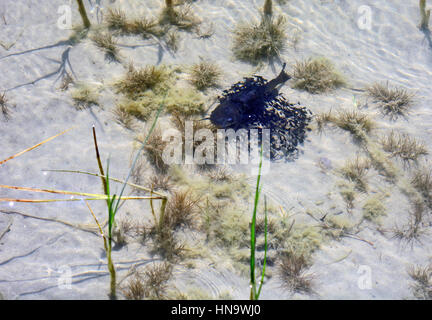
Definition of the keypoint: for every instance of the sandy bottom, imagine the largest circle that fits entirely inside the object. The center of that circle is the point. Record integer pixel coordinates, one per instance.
(45, 259)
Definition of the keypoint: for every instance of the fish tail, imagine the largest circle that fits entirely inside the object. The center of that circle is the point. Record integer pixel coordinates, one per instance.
(283, 76)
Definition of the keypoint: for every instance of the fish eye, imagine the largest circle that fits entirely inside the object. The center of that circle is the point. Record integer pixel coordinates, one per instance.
(229, 119)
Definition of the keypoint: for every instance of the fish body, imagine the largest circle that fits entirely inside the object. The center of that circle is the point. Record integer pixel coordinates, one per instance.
(246, 99)
(256, 103)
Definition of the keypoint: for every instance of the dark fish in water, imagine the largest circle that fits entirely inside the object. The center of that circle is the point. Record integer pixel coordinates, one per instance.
(244, 99)
(256, 103)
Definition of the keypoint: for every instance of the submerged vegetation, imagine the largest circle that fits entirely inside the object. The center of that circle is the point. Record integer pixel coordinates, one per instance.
(118, 22)
(257, 41)
(145, 88)
(316, 76)
(138, 81)
(83, 13)
(106, 42)
(181, 16)
(127, 110)
(84, 96)
(403, 146)
(4, 106)
(67, 80)
(171, 19)
(374, 209)
(422, 182)
(348, 192)
(355, 122)
(355, 171)
(359, 124)
(182, 209)
(413, 229)
(209, 205)
(160, 182)
(422, 277)
(292, 272)
(185, 101)
(150, 284)
(425, 15)
(205, 75)
(256, 287)
(393, 102)
(154, 150)
(123, 117)
(112, 202)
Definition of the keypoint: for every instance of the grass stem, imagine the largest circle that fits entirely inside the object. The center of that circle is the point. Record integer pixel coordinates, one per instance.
(83, 13)
(425, 15)
(110, 178)
(254, 294)
(35, 146)
(101, 170)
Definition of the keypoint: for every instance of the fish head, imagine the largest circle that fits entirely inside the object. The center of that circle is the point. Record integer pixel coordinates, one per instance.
(226, 115)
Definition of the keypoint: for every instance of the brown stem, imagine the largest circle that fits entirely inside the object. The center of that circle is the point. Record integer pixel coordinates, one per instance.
(162, 213)
(425, 15)
(83, 14)
(268, 8)
(101, 170)
(151, 206)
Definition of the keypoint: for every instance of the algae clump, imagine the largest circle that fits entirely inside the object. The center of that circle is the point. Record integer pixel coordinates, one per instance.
(374, 209)
(147, 88)
(186, 101)
(316, 76)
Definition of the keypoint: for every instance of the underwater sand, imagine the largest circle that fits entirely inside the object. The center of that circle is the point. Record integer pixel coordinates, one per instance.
(37, 255)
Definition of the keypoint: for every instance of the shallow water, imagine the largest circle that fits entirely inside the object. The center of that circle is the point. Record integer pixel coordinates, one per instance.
(368, 42)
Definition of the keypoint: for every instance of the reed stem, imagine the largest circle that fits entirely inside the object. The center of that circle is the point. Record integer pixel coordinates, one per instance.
(254, 294)
(268, 8)
(101, 170)
(111, 268)
(162, 212)
(108, 249)
(169, 4)
(425, 15)
(83, 13)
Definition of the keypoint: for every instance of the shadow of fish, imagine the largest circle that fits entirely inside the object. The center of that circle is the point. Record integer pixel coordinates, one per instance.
(245, 99)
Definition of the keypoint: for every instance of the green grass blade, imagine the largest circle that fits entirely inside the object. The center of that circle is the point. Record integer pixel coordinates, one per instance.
(107, 190)
(111, 216)
(162, 105)
(265, 249)
(253, 228)
(110, 202)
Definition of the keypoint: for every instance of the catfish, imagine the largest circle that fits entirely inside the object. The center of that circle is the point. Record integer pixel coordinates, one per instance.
(246, 98)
